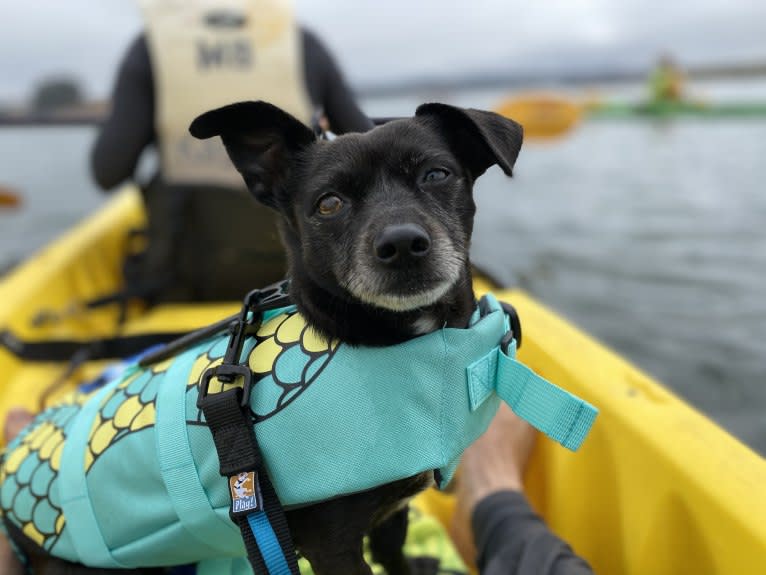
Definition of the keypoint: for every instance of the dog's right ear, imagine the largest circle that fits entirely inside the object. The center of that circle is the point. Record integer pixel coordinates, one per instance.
(260, 139)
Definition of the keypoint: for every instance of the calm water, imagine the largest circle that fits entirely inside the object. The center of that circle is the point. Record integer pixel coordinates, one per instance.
(652, 236)
(48, 167)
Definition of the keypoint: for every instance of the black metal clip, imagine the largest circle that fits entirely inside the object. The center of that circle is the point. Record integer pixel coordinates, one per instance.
(240, 329)
(230, 372)
(256, 302)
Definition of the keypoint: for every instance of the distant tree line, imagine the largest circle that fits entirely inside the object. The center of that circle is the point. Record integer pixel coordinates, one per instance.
(54, 94)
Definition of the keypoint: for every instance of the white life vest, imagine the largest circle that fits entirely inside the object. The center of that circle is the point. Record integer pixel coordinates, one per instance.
(209, 53)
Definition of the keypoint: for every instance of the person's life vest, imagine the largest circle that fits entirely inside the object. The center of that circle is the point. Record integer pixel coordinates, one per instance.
(205, 54)
(128, 476)
(209, 53)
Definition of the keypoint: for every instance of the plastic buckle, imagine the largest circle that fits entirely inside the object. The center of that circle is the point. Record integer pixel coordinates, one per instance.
(269, 297)
(231, 372)
(515, 331)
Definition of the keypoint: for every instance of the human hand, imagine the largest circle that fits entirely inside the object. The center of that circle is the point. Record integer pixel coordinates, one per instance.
(16, 419)
(495, 462)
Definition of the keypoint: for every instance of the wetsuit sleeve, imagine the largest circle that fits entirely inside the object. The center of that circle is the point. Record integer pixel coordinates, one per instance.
(511, 539)
(329, 90)
(129, 128)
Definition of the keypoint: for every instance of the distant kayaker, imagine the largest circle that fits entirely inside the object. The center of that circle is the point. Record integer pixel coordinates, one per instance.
(208, 239)
(666, 82)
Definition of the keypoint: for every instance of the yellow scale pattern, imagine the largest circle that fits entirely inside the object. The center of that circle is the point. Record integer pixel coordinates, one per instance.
(130, 407)
(40, 449)
(275, 337)
(133, 414)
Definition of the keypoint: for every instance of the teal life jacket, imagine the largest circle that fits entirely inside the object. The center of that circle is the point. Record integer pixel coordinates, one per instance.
(127, 476)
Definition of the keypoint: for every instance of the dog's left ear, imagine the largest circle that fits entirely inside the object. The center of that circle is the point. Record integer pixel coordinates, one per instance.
(261, 141)
(480, 138)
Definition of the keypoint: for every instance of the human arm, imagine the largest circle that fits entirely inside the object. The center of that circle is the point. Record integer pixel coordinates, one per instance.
(329, 90)
(508, 537)
(512, 539)
(129, 128)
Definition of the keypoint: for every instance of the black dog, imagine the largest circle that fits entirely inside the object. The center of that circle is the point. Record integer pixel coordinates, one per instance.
(377, 228)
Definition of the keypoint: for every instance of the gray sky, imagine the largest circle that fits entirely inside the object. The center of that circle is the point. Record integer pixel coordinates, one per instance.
(377, 41)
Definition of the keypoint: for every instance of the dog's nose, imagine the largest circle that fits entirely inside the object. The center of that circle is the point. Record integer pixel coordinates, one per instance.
(400, 242)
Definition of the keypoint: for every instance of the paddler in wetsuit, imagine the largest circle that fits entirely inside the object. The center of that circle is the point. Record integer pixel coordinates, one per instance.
(208, 238)
(666, 82)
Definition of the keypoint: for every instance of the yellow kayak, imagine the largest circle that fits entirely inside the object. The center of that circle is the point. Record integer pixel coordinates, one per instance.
(543, 116)
(657, 488)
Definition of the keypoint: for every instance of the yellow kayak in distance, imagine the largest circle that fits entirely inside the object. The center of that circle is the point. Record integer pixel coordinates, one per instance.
(657, 488)
(551, 116)
(9, 198)
(543, 116)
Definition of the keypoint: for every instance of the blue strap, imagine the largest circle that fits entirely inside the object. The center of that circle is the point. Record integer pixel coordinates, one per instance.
(557, 413)
(268, 544)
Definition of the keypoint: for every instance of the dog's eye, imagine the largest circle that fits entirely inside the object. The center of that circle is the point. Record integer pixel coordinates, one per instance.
(329, 204)
(435, 175)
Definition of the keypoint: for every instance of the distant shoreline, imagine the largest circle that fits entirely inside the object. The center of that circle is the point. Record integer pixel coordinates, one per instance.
(36, 119)
(94, 112)
(532, 80)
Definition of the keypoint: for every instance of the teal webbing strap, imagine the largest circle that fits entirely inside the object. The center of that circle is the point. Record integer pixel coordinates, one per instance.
(557, 413)
(179, 472)
(81, 520)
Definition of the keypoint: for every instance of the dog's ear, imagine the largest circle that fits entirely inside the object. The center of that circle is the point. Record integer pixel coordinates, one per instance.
(480, 138)
(260, 139)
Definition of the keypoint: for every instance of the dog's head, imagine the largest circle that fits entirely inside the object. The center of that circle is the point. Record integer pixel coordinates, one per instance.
(382, 219)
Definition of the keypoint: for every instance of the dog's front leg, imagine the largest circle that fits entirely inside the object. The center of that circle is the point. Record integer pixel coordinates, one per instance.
(387, 542)
(337, 561)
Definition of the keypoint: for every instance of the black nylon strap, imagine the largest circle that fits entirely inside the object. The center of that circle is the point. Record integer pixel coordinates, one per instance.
(232, 430)
(231, 424)
(63, 350)
(270, 297)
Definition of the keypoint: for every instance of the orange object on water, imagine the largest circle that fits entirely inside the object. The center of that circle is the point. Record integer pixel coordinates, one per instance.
(543, 116)
(9, 198)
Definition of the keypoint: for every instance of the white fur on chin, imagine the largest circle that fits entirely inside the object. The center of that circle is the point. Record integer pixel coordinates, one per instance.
(395, 302)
